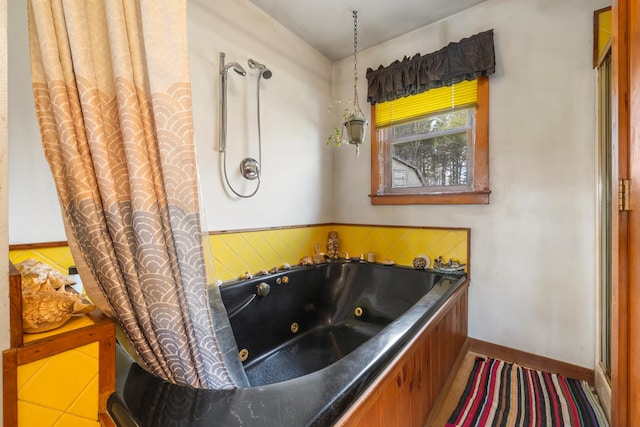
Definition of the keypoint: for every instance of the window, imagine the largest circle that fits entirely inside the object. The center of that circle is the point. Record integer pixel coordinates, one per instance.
(432, 148)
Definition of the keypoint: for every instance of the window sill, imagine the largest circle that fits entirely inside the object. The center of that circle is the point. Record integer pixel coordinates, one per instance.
(467, 198)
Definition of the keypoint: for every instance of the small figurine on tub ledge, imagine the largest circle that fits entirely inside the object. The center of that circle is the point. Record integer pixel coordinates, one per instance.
(450, 267)
(333, 245)
(318, 257)
(245, 276)
(306, 260)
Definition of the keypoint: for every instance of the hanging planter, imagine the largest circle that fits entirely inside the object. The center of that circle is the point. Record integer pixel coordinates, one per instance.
(356, 130)
(352, 131)
(354, 122)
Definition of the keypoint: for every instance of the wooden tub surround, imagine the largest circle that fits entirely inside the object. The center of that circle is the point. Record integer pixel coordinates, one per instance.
(411, 385)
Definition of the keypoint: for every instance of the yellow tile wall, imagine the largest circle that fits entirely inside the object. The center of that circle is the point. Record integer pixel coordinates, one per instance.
(235, 253)
(58, 257)
(61, 390)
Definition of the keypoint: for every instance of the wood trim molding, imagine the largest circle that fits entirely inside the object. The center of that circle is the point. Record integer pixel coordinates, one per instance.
(633, 358)
(330, 224)
(10, 387)
(531, 360)
(15, 307)
(27, 246)
(469, 198)
(375, 146)
(107, 370)
(65, 341)
(621, 224)
(481, 155)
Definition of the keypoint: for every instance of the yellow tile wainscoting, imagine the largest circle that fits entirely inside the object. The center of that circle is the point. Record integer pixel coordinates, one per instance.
(58, 257)
(240, 251)
(60, 390)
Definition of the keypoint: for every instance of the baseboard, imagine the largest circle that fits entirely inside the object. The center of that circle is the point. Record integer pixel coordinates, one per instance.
(531, 360)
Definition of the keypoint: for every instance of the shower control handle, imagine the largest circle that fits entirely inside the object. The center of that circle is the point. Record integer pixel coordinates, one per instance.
(250, 168)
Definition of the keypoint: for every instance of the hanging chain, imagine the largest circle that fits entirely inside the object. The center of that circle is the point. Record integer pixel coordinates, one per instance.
(356, 102)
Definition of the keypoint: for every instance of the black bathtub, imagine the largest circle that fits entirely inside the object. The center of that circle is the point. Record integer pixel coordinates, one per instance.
(313, 343)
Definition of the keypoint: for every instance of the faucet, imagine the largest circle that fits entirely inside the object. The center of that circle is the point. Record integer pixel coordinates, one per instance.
(263, 289)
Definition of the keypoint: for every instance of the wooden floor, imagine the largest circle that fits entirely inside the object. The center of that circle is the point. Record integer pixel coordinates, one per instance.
(445, 408)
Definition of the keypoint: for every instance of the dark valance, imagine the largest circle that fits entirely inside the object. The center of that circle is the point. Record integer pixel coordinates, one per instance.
(467, 59)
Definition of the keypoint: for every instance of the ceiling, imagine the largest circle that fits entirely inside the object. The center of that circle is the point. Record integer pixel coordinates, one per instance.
(327, 25)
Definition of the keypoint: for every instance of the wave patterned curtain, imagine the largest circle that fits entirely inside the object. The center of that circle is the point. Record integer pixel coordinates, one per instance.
(113, 101)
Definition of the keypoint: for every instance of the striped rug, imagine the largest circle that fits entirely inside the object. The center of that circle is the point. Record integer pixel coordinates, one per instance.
(504, 394)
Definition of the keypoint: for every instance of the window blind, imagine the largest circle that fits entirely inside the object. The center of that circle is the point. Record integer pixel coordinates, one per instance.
(431, 101)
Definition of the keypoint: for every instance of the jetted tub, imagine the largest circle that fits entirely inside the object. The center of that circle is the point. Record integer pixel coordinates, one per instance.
(314, 338)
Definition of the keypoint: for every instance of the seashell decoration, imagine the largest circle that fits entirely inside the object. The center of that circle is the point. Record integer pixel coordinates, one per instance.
(46, 305)
(306, 260)
(421, 262)
(36, 274)
(46, 310)
(333, 245)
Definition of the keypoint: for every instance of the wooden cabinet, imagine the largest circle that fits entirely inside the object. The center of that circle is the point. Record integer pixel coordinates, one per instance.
(62, 377)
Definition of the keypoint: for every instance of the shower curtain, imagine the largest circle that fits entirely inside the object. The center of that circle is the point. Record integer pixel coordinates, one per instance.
(113, 102)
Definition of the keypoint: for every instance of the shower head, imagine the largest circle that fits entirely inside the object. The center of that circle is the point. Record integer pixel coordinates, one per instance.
(236, 67)
(265, 72)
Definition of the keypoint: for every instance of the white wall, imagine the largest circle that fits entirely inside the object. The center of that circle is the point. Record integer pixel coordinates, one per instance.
(296, 164)
(33, 204)
(533, 248)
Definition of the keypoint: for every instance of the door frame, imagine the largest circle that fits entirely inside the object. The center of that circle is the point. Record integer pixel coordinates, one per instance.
(625, 369)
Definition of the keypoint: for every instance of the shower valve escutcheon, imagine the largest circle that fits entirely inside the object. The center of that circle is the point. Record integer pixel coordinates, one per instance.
(250, 168)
